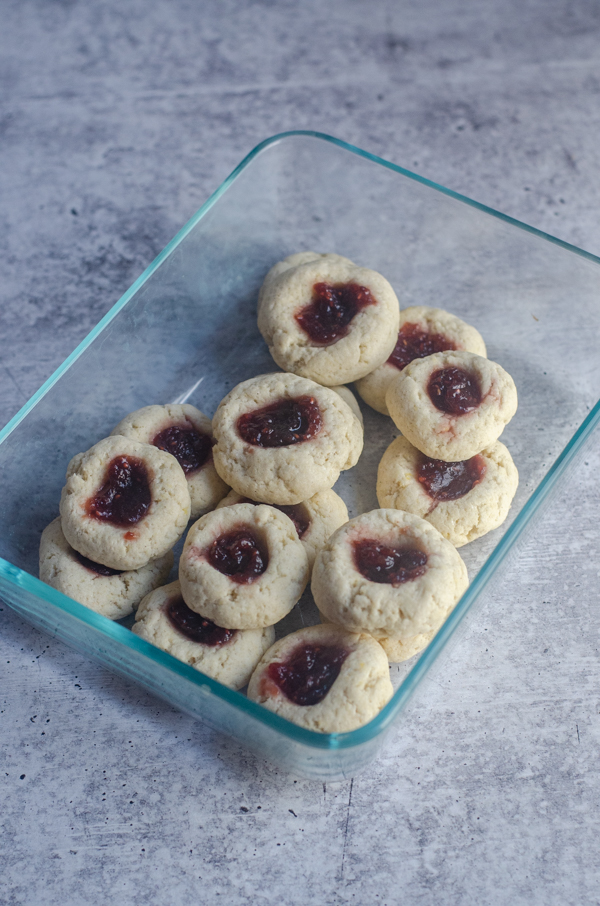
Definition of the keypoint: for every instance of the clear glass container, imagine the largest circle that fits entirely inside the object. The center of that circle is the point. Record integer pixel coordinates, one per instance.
(186, 330)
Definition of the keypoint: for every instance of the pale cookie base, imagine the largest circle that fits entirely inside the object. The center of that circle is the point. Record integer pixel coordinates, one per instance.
(484, 508)
(205, 486)
(349, 398)
(244, 606)
(326, 512)
(461, 336)
(154, 534)
(360, 691)
(114, 597)
(418, 607)
(372, 331)
(395, 650)
(451, 437)
(231, 664)
(285, 474)
(401, 651)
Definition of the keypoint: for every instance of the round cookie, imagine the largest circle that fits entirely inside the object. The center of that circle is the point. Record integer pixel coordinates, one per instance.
(282, 438)
(243, 566)
(112, 593)
(463, 500)
(227, 655)
(124, 503)
(423, 331)
(186, 433)
(452, 405)
(328, 319)
(323, 678)
(388, 573)
(315, 519)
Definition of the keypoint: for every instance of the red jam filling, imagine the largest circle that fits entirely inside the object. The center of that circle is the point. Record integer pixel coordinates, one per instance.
(125, 496)
(391, 565)
(97, 568)
(416, 343)
(281, 424)
(196, 628)
(454, 391)
(449, 480)
(240, 555)
(327, 318)
(309, 672)
(296, 512)
(190, 447)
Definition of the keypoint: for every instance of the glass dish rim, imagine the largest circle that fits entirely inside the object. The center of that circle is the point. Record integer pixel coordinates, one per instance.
(332, 741)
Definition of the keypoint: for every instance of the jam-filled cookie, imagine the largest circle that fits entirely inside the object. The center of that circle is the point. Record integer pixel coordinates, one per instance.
(227, 655)
(124, 503)
(328, 319)
(463, 500)
(282, 438)
(423, 331)
(452, 405)
(315, 519)
(185, 433)
(388, 573)
(323, 678)
(113, 593)
(243, 566)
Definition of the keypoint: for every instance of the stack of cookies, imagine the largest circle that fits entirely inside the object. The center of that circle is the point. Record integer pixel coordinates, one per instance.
(395, 574)
(126, 503)
(259, 480)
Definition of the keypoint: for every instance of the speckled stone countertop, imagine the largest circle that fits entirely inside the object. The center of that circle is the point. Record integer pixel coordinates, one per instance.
(117, 121)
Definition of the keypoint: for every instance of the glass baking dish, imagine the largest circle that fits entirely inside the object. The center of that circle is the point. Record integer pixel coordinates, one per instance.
(186, 330)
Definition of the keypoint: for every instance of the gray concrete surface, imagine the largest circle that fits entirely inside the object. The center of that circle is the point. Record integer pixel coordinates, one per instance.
(116, 122)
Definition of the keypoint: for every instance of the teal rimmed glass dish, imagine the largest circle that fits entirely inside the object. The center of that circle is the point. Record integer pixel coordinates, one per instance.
(186, 329)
